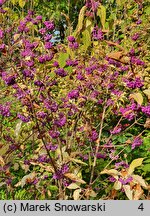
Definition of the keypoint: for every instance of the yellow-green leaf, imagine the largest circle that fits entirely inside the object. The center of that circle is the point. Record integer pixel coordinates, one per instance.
(118, 2)
(137, 97)
(147, 92)
(62, 59)
(135, 163)
(14, 1)
(22, 3)
(80, 20)
(101, 12)
(117, 185)
(86, 39)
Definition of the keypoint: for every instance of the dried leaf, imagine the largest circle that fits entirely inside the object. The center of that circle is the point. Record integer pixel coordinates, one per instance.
(2, 163)
(77, 161)
(91, 193)
(16, 166)
(2, 183)
(128, 191)
(138, 179)
(137, 97)
(111, 172)
(73, 186)
(25, 179)
(49, 193)
(25, 167)
(73, 177)
(135, 163)
(76, 194)
(16, 37)
(18, 127)
(115, 55)
(138, 192)
(147, 123)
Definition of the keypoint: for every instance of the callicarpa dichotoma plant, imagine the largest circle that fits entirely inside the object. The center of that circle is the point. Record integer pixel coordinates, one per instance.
(75, 116)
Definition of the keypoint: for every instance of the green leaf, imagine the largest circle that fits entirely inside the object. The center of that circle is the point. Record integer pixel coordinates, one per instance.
(22, 3)
(69, 69)
(146, 168)
(147, 10)
(101, 12)
(135, 163)
(62, 59)
(53, 188)
(122, 138)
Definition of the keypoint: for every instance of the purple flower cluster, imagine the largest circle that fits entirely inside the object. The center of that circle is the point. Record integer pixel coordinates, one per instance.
(97, 34)
(54, 134)
(50, 105)
(73, 94)
(136, 142)
(23, 117)
(146, 110)
(41, 114)
(137, 83)
(137, 61)
(61, 72)
(135, 37)
(93, 136)
(121, 164)
(92, 4)
(72, 43)
(51, 147)
(61, 120)
(70, 62)
(125, 181)
(60, 173)
(5, 109)
(49, 25)
(116, 130)
(9, 79)
(1, 33)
